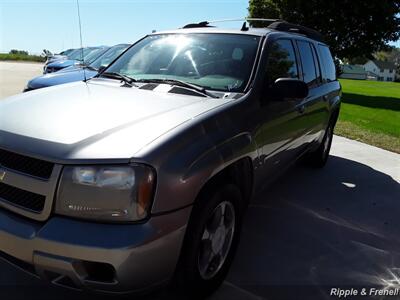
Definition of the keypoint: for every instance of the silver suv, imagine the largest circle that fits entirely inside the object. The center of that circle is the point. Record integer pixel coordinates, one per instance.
(140, 177)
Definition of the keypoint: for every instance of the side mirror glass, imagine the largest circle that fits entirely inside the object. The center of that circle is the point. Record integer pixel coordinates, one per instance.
(290, 88)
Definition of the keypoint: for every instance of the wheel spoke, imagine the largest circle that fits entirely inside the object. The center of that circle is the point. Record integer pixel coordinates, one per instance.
(206, 235)
(214, 264)
(215, 220)
(227, 242)
(206, 255)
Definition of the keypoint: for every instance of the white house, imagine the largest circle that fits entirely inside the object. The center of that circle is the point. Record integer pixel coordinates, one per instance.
(382, 70)
(353, 72)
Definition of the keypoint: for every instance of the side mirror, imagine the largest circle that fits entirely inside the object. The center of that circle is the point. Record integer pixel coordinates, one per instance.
(290, 88)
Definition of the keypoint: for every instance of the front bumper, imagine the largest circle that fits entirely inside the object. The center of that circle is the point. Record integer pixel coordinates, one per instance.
(100, 257)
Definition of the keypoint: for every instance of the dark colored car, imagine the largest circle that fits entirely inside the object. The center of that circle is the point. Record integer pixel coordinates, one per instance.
(140, 177)
(74, 58)
(77, 72)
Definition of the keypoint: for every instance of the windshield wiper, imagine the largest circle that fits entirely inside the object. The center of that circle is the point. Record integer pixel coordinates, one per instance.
(89, 67)
(181, 83)
(114, 75)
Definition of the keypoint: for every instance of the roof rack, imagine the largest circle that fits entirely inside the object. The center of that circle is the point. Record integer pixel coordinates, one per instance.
(275, 24)
(197, 25)
(207, 23)
(295, 28)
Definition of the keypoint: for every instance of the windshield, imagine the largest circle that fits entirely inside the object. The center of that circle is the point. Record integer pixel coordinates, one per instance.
(77, 54)
(215, 61)
(66, 52)
(92, 56)
(107, 57)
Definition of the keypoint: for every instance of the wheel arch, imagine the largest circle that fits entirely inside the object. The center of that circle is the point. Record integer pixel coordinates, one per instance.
(239, 173)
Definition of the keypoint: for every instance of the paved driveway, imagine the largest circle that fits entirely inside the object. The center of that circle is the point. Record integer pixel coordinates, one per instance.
(15, 75)
(308, 232)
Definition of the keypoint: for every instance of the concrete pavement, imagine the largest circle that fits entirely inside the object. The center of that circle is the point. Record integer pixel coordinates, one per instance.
(308, 232)
(15, 75)
(317, 229)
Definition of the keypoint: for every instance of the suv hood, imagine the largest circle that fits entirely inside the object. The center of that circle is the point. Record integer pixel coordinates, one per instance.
(60, 77)
(62, 63)
(97, 120)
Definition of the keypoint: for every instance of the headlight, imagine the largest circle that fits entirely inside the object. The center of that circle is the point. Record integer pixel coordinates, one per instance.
(106, 193)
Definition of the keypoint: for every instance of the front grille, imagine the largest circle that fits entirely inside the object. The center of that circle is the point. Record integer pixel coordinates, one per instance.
(21, 198)
(27, 165)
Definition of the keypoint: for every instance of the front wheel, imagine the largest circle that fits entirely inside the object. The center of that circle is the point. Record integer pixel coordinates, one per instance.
(210, 243)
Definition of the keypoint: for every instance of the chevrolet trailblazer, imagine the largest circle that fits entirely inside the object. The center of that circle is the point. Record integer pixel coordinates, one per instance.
(140, 176)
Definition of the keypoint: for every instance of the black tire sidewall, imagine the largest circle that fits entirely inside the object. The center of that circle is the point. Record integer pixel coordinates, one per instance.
(319, 157)
(188, 280)
(329, 135)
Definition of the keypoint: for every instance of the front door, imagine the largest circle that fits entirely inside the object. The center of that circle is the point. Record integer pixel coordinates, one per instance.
(280, 134)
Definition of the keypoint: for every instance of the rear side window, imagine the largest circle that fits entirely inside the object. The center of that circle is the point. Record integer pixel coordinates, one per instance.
(307, 61)
(317, 63)
(281, 61)
(328, 70)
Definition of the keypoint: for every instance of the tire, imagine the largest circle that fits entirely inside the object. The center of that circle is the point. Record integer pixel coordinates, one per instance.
(198, 274)
(319, 157)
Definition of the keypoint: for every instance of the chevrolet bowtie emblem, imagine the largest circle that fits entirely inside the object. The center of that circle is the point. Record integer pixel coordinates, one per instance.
(2, 174)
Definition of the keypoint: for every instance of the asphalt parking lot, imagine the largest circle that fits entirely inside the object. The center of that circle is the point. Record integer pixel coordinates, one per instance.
(308, 232)
(15, 75)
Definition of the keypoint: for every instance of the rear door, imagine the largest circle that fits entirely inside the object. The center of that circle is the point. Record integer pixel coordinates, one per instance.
(331, 86)
(315, 110)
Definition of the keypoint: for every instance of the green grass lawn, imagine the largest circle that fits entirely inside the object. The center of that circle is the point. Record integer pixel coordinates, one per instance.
(21, 57)
(370, 113)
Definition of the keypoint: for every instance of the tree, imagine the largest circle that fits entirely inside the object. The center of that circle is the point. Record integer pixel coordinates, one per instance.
(351, 28)
(20, 52)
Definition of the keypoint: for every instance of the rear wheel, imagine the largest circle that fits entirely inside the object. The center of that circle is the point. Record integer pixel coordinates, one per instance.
(210, 243)
(319, 157)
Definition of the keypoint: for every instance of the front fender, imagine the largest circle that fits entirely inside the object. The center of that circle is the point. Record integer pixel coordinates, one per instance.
(188, 166)
(186, 157)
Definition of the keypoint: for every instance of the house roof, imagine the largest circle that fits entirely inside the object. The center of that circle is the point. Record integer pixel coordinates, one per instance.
(353, 69)
(384, 64)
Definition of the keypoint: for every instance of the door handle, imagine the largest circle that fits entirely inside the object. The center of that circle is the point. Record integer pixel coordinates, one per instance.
(302, 108)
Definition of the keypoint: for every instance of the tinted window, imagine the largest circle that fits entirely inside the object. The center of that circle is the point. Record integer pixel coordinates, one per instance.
(329, 70)
(281, 61)
(307, 61)
(317, 63)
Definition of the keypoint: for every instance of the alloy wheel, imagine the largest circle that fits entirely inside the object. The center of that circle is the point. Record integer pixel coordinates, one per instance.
(216, 240)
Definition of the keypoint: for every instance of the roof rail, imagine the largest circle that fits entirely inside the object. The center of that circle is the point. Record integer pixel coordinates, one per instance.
(275, 24)
(207, 23)
(197, 25)
(295, 28)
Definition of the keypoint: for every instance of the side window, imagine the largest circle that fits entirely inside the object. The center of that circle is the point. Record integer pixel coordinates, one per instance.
(329, 70)
(307, 61)
(317, 63)
(281, 61)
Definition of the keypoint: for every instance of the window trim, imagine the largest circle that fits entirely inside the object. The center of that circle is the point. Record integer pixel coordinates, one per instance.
(312, 84)
(317, 64)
